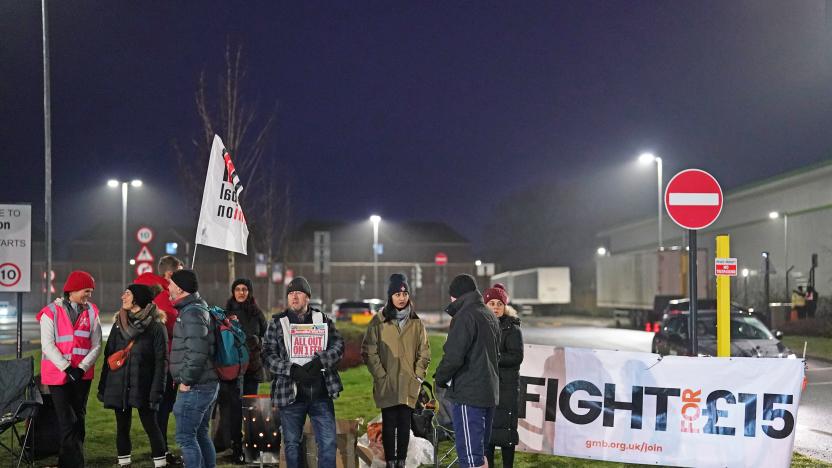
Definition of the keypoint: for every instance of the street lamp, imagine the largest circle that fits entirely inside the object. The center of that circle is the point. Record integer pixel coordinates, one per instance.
(649, 158)
(113, 183)
(775, 215)
(602, 251)
(375, 219)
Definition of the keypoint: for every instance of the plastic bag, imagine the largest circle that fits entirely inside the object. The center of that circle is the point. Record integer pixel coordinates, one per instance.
(419, 451)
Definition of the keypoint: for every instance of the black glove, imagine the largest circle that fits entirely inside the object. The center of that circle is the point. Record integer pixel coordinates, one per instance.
(313, 367)
(75, 374)
(298, 373)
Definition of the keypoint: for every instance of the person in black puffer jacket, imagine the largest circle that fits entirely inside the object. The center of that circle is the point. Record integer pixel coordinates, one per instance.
(192, 367)
(140, 381)
(504, 427)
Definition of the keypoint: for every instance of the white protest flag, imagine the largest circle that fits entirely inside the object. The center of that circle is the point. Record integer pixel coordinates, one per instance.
(221, 220)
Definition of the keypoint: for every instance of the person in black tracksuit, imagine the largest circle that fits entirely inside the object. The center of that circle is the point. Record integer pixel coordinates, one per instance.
(504, 428)
(469, 370)
(140, 382)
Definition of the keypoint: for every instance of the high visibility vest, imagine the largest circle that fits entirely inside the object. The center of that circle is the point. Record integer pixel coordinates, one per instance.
(73, 341)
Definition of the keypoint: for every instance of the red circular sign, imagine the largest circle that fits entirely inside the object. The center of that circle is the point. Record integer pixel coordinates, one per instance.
(9, 275)
(440, 258)
(693, 199)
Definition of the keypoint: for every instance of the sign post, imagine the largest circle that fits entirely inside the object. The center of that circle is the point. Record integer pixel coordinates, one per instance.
(724, 268)
(16, 257)
(693, 200)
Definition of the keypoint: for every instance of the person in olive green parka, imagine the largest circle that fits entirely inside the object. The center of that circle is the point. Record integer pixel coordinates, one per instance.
(397, 354)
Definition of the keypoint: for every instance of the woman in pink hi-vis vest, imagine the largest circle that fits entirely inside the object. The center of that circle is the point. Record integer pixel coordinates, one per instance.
(70, 336)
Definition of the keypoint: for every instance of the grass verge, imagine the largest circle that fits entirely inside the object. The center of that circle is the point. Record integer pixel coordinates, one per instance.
(816, 346)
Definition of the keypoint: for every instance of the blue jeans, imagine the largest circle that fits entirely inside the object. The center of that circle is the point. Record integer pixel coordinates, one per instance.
(472, 431)
(292, 418)
(192, 411)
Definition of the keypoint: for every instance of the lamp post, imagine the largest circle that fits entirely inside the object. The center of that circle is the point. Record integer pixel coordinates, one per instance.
(786, 269)
(648, 158)
(375, 219)
(135, 183)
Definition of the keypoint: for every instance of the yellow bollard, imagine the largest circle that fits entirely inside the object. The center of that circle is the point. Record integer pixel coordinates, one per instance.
(723, 301)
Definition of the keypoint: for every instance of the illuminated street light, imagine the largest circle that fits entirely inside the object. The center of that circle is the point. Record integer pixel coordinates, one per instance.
(649, 158)
(376, 220)
(113, 183)
(601, 251)
(774, 215)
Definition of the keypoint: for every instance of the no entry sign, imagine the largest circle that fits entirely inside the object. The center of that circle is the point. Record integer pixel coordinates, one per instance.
(440, 258)
(693, 199)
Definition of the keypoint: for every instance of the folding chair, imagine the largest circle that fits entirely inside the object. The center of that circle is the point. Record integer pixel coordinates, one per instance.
(443, 429)
(20, 400)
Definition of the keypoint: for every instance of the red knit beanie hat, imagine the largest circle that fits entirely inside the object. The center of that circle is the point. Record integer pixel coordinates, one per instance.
(78, 280)
(498, 291)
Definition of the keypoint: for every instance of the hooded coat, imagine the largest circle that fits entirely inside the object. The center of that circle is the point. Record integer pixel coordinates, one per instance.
(396, 357)
(140, 382)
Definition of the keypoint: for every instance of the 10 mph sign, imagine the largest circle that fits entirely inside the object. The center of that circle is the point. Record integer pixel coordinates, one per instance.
(15, 248)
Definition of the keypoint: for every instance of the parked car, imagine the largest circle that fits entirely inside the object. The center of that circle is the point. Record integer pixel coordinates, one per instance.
(749, 336)
(346, 311)
(316, 303)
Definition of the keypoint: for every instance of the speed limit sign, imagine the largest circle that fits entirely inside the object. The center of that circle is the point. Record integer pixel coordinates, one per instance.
(15, 248)
(144, 235)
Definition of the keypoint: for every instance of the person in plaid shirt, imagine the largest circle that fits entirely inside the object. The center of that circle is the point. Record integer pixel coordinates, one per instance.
(304, 385)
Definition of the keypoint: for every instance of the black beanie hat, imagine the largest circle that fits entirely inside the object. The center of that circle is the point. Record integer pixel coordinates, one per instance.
(186, 279)
(299, 284)
(142, 295)
(462, 284)
(398, 283)
(245, 282)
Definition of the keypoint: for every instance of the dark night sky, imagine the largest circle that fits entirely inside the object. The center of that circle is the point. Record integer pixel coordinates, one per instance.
(421, 110)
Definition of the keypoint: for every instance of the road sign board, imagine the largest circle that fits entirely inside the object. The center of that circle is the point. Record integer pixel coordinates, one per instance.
(441, 258)
(15, 248)
(322, 252)
(288, 277)
(144, 255)
(725, 267)
(144, 235)
(143, 267)
(693, 199)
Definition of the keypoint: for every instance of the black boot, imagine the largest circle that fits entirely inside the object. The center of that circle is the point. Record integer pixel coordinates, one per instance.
(237, 455)
(392, 463)
(401, 464)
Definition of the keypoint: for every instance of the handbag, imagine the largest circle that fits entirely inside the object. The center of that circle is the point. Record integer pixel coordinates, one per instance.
(118, 358)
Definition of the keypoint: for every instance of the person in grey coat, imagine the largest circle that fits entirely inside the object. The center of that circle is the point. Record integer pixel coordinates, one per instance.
(192, 368)
(469, 369)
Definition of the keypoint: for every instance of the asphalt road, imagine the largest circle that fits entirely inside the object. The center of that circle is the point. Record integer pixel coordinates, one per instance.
(814, 433)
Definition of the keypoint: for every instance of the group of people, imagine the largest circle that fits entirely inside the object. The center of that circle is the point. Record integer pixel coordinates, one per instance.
(159, 360)
(479, 370)
(804, 302)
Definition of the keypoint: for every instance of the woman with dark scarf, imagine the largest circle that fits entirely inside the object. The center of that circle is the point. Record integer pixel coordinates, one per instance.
(242, 306)
(397, 354)
(140, 381)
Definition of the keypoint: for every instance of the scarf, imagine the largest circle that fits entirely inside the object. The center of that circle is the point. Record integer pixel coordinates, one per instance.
(133, 324)
(402, 316)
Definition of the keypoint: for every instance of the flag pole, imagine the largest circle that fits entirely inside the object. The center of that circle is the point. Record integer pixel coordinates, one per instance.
(194, 260)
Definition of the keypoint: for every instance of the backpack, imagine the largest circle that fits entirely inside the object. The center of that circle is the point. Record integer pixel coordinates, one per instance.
(231, 352)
